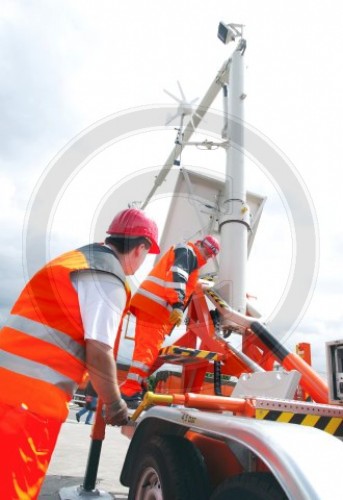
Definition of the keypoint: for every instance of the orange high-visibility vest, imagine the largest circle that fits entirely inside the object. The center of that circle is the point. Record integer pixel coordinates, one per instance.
(169, 284)
(42, 346)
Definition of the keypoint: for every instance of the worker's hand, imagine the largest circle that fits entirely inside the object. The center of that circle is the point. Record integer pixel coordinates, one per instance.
(116, 413)
(176, 317)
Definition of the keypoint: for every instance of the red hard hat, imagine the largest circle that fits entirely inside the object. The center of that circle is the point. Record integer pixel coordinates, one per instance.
(211, 244)
(133, 222)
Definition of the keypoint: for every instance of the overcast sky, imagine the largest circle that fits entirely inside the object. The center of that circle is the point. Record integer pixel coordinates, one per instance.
(66, 65)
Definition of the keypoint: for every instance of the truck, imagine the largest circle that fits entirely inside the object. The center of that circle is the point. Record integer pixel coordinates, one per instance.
(267, 426)
(259, 442)
(253, 421)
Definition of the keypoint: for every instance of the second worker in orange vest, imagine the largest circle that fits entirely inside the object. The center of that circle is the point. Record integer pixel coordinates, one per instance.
(158, 305)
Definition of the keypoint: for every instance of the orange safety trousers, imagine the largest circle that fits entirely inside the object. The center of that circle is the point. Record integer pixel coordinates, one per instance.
(27, 442)
(149, 337)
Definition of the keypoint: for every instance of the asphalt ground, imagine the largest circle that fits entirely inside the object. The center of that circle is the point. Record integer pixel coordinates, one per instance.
(68, 464)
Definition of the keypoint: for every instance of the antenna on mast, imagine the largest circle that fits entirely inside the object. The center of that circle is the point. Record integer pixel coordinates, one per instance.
(185, 107)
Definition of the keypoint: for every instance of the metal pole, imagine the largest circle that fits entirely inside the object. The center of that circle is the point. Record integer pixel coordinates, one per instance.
(91, 473)
(234, 220)
(98, 435)
(88, 489)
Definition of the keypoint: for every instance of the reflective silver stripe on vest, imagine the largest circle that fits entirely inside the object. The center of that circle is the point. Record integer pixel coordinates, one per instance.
(181, 271)
(166, 284)
(155, 298)
(135, 377)
(102, 258)
(140, 366)
(48, 334)
(24, 366)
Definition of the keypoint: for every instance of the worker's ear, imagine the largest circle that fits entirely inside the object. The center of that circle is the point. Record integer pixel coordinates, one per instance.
(140, 249)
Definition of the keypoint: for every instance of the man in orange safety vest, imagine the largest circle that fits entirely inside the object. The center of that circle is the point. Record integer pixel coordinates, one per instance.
(64, 323)
(158, 306)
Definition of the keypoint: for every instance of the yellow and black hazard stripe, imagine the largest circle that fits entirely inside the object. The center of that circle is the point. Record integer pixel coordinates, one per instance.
(171, 352)
(332, 425)
(216, 298)
(208, 276)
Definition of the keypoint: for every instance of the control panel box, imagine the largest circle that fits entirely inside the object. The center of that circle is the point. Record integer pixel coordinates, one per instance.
(334, 358)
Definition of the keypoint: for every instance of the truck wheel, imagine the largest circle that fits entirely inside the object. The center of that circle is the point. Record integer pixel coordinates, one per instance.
(169, 468)
(250, 486)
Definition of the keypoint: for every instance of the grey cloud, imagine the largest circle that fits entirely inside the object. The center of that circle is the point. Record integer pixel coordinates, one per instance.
(37, 116)
(32, 99)
(12, 279)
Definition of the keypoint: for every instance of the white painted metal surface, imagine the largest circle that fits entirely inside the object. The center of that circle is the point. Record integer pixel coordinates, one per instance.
(235, 218)
(306, 461)
(276, 384)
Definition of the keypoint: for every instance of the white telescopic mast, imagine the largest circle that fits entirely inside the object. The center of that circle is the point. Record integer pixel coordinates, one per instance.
(234, 219)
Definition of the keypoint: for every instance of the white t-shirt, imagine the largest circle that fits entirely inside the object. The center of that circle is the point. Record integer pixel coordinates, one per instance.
(102, 299)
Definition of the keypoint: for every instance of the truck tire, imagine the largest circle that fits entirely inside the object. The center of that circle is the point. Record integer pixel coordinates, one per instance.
(169, 468)
(250, 486)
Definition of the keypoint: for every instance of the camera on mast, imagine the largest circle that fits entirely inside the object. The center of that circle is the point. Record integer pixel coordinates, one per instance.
(229, 32)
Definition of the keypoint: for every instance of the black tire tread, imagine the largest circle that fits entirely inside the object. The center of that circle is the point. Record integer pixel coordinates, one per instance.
(250, 486)
(184, 477)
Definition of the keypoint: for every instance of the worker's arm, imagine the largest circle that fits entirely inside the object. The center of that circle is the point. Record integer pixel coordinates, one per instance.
(102, 299)
(102, 370)
(184, 263)
(101, 367)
